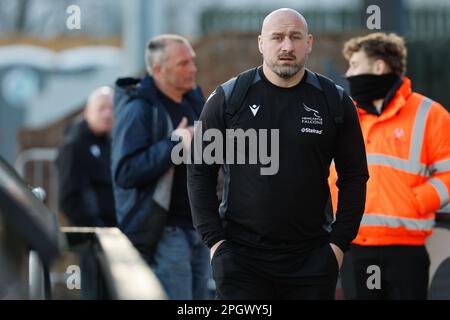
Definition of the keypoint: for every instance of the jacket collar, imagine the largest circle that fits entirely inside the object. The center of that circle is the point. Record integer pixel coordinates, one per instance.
(394, 100)
(147, 89)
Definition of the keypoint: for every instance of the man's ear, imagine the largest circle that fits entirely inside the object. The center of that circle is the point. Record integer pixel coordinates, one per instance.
(310, 43)
(260, 44)
(159, 67)
(156, 68)
(381, 67)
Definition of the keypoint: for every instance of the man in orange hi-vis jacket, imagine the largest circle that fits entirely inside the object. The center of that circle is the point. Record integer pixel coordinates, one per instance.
(408, 151)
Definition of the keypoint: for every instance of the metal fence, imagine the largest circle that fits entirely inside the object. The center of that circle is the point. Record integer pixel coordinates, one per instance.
(429, 68)
(422, 23)
(238, 20)
(36, 167)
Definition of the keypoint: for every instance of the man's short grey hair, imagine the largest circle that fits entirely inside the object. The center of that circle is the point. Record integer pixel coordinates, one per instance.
(154, 51)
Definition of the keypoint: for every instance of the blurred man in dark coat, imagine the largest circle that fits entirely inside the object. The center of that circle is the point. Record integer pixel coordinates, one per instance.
(85, 190)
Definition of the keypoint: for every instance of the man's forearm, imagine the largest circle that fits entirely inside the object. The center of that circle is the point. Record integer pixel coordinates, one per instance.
(202, 181)
(351, 203)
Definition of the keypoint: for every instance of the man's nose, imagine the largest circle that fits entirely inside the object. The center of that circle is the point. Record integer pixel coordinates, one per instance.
(287, 45)
(349, 72)
(108, 114)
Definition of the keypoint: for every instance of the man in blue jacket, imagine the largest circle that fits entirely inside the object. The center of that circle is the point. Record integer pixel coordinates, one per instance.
(150, 191)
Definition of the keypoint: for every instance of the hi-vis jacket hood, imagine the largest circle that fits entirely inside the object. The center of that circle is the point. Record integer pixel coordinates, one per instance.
(408, 153)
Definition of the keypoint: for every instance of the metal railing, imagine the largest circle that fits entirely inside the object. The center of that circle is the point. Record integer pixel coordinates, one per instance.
(123, 275)
(36, 166)
(34, 251)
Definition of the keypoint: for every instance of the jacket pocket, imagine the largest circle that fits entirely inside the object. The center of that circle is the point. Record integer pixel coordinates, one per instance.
(413, 199)
(145, 226)
(333, 257)
(219, 250)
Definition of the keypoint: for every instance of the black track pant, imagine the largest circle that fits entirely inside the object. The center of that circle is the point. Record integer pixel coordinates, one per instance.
(311, 275)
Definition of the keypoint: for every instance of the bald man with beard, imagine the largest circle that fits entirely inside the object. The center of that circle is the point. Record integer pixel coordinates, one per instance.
(271, 237)
(85, 188)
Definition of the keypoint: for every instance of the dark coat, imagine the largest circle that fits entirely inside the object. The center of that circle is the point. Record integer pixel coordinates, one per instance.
(85, 189)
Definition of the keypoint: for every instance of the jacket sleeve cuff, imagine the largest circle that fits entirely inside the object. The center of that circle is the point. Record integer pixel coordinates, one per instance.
(428, 199)
(173, 143)
(212, 241)
(341, 243)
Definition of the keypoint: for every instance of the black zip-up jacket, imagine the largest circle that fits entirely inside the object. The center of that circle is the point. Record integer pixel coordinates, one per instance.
(285, 211)
(85, 189)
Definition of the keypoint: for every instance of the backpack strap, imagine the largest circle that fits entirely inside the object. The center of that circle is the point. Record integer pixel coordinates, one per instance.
(236, 90)
(334, 96)
(235, 98)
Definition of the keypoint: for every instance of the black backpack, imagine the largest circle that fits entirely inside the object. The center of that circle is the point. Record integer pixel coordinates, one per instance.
(244, 80)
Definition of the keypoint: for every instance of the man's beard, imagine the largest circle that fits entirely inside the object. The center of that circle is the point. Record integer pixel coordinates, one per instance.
(286, 71)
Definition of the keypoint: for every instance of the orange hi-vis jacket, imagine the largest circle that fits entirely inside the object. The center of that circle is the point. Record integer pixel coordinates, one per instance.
(408, 154)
